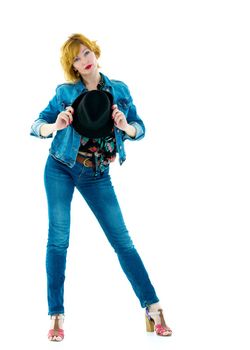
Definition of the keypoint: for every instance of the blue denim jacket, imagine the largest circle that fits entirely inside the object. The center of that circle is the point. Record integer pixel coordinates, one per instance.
(66, 142)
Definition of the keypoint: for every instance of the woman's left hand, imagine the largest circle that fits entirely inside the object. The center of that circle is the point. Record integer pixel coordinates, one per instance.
(119, 118)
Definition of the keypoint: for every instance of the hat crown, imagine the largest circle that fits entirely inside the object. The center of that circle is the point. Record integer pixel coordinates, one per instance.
(92, 113)
(95, 106)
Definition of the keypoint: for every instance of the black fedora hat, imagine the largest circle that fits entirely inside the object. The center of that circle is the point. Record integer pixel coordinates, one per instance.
(93, 114)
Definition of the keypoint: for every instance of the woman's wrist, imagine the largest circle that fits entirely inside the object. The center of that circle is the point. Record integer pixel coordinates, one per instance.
(130, 131)
(47, 129)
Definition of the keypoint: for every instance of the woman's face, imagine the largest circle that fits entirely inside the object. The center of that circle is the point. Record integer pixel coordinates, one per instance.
(85, 62)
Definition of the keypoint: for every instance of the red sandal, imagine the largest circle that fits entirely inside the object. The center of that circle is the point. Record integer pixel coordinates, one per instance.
(56, 333)
(160, 329)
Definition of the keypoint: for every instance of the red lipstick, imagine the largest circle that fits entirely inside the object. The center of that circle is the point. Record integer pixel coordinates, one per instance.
(88, 66)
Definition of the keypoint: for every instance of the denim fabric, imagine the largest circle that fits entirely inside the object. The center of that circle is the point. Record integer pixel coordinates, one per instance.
(66, 142)
(60, 182)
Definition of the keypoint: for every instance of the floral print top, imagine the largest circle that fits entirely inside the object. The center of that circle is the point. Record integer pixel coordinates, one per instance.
(101, 151)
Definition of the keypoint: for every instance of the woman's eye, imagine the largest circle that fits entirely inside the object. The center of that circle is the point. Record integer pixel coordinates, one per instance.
(85, 53)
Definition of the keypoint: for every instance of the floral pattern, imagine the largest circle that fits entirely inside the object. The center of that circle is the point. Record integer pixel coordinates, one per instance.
(101, 150)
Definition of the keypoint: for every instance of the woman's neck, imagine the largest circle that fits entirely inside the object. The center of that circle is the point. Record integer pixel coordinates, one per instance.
(91, 81)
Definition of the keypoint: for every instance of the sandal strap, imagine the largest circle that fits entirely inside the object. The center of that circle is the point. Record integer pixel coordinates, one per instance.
(56, 333)
(154, 313)
(58, 317)
(59, 331)
(159, 329)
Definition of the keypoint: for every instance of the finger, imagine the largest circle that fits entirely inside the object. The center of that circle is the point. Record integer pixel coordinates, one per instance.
(118, 119)
(114, 107)
(118, 114)
(115, 113)
(64, 117)
(69, 115)
(70, 109)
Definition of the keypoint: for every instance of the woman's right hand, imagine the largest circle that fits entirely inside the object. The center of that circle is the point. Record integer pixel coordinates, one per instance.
(64, 118)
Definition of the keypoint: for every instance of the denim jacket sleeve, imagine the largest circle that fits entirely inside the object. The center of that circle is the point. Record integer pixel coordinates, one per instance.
(134, 119)
(47, 116)
(127, 106)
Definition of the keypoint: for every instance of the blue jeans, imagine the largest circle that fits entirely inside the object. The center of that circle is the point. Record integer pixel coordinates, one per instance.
(98, 192)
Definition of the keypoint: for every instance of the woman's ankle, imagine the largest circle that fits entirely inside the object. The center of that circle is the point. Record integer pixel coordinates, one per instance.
(154, 307)
(57, 320)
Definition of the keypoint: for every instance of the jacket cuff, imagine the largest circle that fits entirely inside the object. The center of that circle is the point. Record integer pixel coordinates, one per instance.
(35, 129)
(139, 132)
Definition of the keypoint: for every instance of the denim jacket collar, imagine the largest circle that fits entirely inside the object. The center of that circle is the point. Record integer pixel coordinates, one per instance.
(80, 87)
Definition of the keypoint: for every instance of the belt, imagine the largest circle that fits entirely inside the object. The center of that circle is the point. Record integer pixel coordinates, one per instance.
(85, 161)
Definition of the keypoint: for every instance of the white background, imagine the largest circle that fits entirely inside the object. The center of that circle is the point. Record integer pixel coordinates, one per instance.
(184, 189)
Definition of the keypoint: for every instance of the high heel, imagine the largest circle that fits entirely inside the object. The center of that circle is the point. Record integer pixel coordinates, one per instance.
(149, 324)
(56, 333)
(161, 328)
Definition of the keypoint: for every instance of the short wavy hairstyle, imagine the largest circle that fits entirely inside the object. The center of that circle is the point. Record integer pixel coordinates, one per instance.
(70, 50)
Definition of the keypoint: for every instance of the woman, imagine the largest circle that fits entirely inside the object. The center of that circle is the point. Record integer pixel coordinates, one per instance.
(82, 162)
